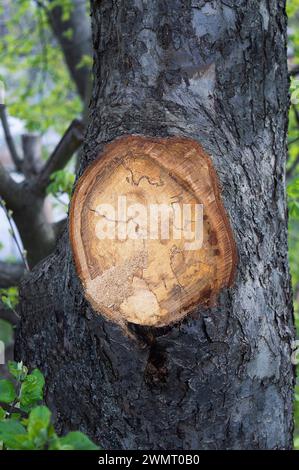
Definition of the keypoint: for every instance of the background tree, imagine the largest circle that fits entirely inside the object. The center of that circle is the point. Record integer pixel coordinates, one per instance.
(53, 102)
(216, 72)
(47, 88)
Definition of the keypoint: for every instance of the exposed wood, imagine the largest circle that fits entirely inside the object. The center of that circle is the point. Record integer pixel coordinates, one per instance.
(138, 273)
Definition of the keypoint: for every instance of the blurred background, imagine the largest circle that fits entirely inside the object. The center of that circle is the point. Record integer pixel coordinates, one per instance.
(45, 74)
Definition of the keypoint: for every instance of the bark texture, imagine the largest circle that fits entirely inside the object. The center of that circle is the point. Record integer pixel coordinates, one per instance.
(215, 71)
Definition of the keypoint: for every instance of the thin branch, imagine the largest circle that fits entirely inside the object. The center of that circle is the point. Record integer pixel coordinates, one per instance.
(41, 4)
(9, 315)
(60, 200)
(13, 233)
(11, 274)
(293, 141)
(13, 409)
(9, 140)
(68, 145)
(9, 189)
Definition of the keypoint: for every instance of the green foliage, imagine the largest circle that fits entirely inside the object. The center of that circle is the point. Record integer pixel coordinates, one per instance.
(74, 441)
(293, 194)
(86, 61)
(17, 370)
(7, 391)
(10, 297)
(13, 435)
(293, 185)
(32, 390)
(293, 202)
(31, 427)
(39, 89)
(61, 182)
(292, 7)
(292, 10)
(6, 332)
(65, 5)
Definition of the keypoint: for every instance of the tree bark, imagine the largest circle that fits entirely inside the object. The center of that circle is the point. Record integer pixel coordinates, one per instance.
(214, 71)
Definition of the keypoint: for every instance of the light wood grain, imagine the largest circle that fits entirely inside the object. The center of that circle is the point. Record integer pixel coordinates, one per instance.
(146, 281)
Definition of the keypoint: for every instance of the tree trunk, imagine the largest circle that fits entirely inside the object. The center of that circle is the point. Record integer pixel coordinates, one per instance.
(214, 71)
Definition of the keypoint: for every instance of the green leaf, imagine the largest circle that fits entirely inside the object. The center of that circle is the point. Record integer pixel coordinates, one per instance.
(14, 435)
(76, 441)
(32, 390)
(11, 426)
(2, 414)
(17, 370)
(68, 34)
(61, 182)
(86, 61)
(10, 297)
(293, 189)
(6, 332)
(292, 7)
(294, 209)
(38, 424)
(7, 391)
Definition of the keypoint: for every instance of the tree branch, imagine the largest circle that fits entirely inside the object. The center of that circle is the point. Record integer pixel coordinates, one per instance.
(78, 45)
(13, 409)
(9, 316)
(294, 70)
(9, 189)
(31, 144)
(59, 227)
(9, 140)
(13, 233)
(11, 274)
(68, 145)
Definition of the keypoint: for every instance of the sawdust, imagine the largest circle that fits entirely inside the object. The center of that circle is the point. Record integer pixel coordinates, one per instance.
(116, 284)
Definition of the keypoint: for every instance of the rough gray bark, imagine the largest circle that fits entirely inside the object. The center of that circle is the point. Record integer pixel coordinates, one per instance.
(215, 71)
